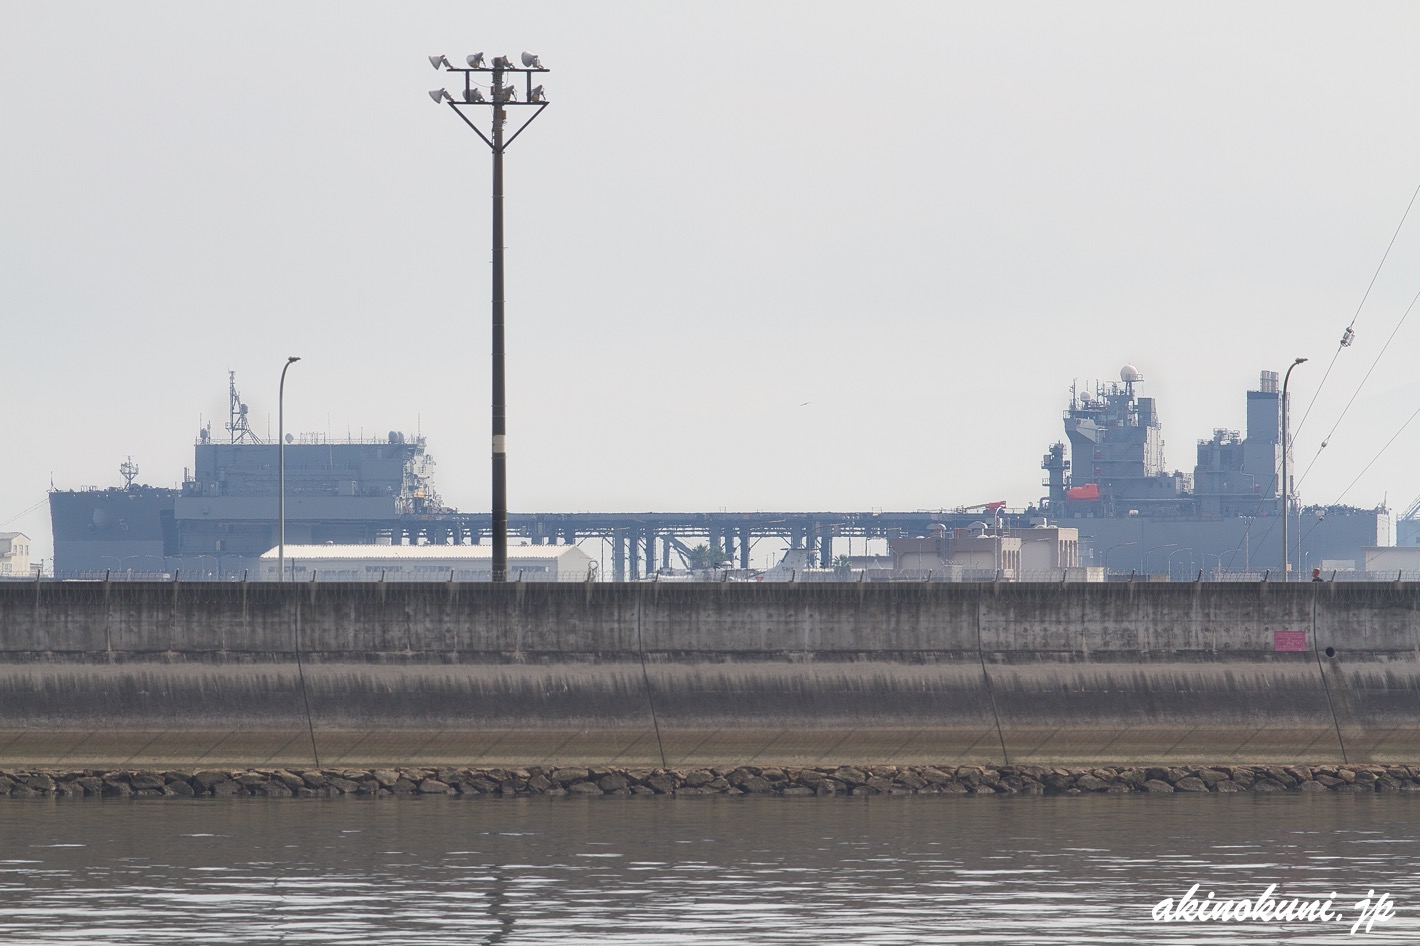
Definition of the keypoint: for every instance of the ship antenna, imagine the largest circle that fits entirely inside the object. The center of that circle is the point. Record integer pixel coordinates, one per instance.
(237, 426)
(129, 470)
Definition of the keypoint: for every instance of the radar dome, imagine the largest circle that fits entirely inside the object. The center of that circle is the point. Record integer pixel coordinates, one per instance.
(1130, 373)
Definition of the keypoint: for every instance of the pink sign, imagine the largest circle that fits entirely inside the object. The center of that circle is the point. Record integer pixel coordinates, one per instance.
(1289, 640)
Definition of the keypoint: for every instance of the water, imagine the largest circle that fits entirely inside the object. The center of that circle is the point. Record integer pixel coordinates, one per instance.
(887, 870)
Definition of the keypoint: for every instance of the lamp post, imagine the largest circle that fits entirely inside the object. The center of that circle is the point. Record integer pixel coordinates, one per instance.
(1286, 449)
(499, 98)
(281, 471)
(1179, 552)
(1144, 562)
(1117, 545)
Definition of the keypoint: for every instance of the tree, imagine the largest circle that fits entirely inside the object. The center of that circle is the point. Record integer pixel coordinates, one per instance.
(704, 557)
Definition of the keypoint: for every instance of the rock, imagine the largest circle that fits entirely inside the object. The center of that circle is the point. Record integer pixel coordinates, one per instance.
(757, 785)
(432, 786)
(612, 783)
(272, 789)
(773, 775)
(1191, 784)
(385, 777)
(343, 785)
(583, 788)
(1212, 776)
(178, 787)
(850, 776)
(227, 788)
(1268, 785)
(1157, 785)
(698, 778)
(116, 788)
(291, 781)
(663, 785)
(145, 781)
(1091, 783)
(90, 785)
(539, 784)
(863, 790)
(1228, 786)
(1311, 785)
(565, 777)
(879, 783)
(797, 791)
(314, 779)
(912, 781)
(203, 781)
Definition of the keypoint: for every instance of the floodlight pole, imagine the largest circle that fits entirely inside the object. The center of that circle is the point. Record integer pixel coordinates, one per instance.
(1286, 449)
(501, 96)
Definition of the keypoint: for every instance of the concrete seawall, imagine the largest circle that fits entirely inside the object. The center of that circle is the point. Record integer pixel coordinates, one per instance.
(154, 674)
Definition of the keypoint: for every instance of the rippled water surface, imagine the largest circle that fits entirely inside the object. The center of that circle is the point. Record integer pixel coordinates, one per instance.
(694, 870)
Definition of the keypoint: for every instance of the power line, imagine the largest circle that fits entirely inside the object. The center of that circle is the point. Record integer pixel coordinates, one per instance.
(1349, 335)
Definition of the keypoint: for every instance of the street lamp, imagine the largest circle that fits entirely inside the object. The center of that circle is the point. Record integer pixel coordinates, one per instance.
(1286, 449)
(281, 474)
(1111, 549)
(499, 97)
(1144, 562)
(1179, 552)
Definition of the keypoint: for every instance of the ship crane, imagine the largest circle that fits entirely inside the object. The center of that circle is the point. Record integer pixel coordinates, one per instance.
(989, 508)
(1411, 512)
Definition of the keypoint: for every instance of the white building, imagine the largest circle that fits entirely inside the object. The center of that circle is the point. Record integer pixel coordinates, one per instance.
(428, 563)
(15, 555)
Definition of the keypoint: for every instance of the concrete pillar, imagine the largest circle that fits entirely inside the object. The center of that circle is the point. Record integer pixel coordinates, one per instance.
(744, 547)
(650, 551)
(618, 556)
(633, 548)
(826, 547)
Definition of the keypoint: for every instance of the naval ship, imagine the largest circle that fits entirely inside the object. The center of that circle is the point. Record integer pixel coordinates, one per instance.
(1136, 515)
(224, 516)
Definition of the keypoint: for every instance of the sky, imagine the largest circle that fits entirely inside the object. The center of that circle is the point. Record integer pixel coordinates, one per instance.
(760, 255)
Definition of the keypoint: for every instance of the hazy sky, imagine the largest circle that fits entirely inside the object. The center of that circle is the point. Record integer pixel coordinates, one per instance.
(923, 219)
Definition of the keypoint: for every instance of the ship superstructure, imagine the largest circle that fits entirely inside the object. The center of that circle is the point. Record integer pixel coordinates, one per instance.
(1132, 511)
(224, 516)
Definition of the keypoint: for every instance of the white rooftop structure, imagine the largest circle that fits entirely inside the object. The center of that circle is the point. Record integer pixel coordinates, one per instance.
(427, 563)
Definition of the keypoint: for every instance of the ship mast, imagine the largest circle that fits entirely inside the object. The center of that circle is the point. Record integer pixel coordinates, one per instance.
(237, 426)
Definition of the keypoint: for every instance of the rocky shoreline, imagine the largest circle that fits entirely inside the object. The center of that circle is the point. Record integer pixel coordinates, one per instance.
(737, 780)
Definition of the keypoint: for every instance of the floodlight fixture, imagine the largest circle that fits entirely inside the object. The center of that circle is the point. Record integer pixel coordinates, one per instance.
(440, 96)
(531, 61)
(437, 61)
(503, 62)
(536, 95)
(505, 93)
(475, 61)
(472, 95)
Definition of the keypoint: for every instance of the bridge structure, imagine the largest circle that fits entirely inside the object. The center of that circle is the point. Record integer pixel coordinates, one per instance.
(643, 542)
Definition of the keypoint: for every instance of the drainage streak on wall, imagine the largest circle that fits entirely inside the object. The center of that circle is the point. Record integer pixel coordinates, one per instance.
(104, 674)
